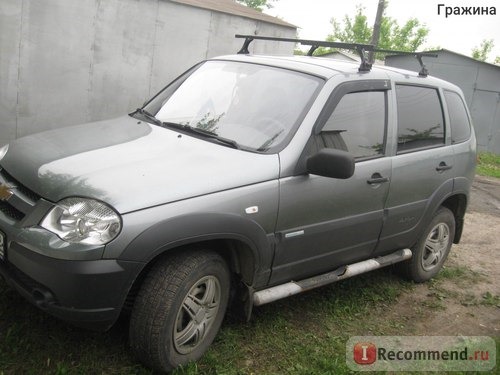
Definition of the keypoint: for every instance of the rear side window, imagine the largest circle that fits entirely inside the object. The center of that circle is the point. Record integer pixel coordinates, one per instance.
(459, 121)
(357, 125)
(420, 118)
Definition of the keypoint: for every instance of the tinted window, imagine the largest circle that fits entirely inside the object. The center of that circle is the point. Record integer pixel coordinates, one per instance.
(459, 121)
(420, 118)
(357, 125)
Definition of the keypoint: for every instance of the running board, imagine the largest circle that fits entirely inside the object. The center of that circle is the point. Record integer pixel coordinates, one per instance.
(289, 289)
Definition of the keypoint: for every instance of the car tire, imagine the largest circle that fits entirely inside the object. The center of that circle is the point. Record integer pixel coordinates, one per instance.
(179, 309)
(431, 250)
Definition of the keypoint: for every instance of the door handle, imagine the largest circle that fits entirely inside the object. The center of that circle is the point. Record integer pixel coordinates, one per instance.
(443, 167)
(377, 179)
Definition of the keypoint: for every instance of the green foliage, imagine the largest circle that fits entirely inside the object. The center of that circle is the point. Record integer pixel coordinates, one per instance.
(299, 52)
(408, 37)
(481, 53)
(490, 299)
(488, 164)
(257, 4)
(353, 30)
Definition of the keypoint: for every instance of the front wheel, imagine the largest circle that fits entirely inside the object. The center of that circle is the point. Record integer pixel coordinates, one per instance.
(179, 309)
(432, 249)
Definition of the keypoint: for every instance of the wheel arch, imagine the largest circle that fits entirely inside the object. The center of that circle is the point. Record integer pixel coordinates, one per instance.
(237, 254)
(241, 242)
(457, 204)
(447, 195)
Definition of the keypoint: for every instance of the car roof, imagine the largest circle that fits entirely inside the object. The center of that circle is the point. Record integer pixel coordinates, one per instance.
(327, 68)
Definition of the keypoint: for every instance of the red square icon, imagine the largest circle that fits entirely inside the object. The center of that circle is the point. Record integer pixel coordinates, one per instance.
(365, 353)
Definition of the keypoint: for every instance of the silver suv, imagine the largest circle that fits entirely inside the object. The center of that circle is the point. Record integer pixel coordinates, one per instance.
(247, 179)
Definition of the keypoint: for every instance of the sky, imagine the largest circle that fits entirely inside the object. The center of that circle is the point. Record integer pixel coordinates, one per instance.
(459, 33)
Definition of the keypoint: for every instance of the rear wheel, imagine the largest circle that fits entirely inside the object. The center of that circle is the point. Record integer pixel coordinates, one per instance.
(432, 249)
(179, 309)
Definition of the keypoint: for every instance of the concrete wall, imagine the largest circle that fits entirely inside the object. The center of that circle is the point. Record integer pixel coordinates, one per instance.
(480, 83)
(68, 62)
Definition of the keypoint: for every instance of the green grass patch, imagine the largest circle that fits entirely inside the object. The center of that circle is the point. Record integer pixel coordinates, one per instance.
(459, 274)
(488, 164)
(490, 299)
(304, 334)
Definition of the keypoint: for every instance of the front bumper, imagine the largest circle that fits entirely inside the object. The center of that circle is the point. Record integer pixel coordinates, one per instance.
(88, 293)
(70, 281)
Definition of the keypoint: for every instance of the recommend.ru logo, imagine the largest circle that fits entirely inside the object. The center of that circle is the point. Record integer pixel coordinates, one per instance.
(421, 353)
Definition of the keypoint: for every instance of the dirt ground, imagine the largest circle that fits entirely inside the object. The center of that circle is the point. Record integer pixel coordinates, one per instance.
(465, 299)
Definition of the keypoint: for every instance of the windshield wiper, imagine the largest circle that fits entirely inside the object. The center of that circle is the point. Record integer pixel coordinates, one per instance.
(149, 116)
(203, 132)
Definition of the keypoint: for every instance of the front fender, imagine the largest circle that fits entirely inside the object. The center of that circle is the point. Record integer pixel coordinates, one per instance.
(198, 227)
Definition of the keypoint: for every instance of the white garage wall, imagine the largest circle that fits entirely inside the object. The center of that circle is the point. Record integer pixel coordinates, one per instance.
(69, 62)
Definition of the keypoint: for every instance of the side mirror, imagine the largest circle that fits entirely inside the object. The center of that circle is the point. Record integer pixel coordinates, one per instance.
(332, 163)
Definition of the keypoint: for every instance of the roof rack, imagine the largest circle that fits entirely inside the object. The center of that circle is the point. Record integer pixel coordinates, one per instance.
(418, 55)
(361, 49)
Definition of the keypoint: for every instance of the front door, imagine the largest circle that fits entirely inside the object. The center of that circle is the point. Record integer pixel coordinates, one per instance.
(324, 222)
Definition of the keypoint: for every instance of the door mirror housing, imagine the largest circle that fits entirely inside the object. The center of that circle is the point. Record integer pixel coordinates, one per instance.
(331, 163)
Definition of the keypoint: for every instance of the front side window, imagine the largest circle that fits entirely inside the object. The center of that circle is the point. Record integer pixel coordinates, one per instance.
(257, 106)
(459, 120)
(357, 125)
(420, 118)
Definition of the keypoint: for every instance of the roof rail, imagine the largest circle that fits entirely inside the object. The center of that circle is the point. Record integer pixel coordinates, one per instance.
(361, 49)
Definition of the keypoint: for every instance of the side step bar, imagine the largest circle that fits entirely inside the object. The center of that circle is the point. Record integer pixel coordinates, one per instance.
(289, 289)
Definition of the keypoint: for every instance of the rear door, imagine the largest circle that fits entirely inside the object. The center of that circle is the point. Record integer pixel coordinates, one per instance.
(325, 222)
(423, 165)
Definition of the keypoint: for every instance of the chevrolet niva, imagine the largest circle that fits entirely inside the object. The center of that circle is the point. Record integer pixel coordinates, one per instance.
(246, 180)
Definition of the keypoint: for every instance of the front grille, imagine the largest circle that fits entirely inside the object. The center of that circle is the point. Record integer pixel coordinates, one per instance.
(11, 211)
(21, 202)
(19, 187)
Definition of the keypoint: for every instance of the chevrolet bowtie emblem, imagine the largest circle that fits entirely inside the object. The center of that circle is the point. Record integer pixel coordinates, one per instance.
(5, 192)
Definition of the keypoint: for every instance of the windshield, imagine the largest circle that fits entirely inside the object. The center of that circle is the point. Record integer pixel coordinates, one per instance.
(256, 106)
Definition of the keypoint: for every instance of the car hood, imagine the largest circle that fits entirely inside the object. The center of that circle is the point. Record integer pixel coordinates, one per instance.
(131, 164)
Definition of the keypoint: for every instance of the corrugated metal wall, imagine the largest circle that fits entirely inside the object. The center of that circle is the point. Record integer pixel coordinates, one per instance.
(480, 83)
(68, 62)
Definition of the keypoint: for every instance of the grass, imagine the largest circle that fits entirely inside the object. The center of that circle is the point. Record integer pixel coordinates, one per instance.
(464, 278)
(459, 274)
(490, 300)
(488, 164)
(304, 334)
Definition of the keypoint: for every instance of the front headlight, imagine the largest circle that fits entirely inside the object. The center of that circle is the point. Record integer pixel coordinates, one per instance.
(82, 220)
